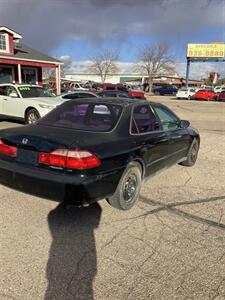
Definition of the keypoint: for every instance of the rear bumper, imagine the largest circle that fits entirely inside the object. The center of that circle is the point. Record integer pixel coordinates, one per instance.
(72, 188)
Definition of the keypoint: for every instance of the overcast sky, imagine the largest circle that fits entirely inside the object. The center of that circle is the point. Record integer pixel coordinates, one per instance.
(77, 28)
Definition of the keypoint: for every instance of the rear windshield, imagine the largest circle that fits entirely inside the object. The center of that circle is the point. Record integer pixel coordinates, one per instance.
(98, 117)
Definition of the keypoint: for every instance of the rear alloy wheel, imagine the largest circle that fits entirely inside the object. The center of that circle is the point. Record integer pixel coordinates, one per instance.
(128, 189)
(32, 116)
(192, 154)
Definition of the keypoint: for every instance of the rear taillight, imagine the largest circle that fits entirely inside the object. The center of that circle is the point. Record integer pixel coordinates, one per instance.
(7, 150)
(70, 159)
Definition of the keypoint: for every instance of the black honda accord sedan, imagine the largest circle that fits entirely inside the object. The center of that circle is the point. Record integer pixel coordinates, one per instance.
(89, 149)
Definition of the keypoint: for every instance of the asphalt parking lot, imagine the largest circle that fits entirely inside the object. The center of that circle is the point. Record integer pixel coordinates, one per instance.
(171, 245)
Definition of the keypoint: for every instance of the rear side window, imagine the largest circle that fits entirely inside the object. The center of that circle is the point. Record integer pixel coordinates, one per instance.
(71, 96)
(98, 117)
(143, 120)
(86, 95)
(78, 95)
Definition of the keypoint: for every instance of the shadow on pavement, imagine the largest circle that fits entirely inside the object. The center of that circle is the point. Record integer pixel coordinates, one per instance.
(172, 208)
(72, 263)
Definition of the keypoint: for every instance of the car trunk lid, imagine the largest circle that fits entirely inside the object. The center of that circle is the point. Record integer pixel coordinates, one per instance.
(33, 139)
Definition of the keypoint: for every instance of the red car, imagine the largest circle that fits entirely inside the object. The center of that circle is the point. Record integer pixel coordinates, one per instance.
(205, 95)
(121, 87)
(221, 96)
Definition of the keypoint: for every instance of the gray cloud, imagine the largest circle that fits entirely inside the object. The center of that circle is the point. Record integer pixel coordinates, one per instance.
(46, 24)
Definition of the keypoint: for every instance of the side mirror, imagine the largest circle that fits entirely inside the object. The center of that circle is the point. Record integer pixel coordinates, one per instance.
(13, 95)
(184, 124)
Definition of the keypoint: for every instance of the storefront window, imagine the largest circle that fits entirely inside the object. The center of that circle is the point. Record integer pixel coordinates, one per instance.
(6, 75)
(29, 75)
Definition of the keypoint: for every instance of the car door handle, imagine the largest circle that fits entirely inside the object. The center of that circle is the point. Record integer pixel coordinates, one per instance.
(5, 99)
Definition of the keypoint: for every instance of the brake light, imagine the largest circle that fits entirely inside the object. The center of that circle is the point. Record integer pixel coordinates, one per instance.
(7, 150)
(70, 159)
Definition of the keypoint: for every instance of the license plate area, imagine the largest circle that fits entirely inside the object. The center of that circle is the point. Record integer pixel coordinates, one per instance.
(27, 156)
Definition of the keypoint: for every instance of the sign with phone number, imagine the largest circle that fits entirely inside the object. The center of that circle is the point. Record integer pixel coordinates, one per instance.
(206, 50)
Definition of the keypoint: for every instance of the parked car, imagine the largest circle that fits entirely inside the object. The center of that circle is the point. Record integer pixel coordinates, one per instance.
(26, 102)
(221, 96)
(218, 89)
(137, 94)
(185, 93)
(91, 149)
(206, 87)
(76, 95)
(205, 95)
(136, 87)
(76, 86)
(114, 94)
(165, 90)
(119, 87)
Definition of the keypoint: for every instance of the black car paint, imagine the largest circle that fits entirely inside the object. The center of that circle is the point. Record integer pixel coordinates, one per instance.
(155, 151)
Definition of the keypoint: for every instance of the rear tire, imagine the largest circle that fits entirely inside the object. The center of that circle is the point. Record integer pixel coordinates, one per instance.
(189, 97)
(32, 116)
(128, 189)
(192, 154)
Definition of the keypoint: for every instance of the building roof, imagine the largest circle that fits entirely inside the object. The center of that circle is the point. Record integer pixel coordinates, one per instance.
(22, 51)
(15, 34)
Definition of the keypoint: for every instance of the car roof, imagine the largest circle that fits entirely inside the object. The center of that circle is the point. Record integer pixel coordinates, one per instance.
(112, 100)
(78, 92)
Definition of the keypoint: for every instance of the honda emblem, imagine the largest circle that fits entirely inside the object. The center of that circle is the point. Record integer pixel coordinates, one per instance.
(25, 141)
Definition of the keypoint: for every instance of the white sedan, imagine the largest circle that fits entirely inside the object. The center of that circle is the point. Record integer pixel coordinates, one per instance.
(185, 93)
(218, 89)
(26, 102)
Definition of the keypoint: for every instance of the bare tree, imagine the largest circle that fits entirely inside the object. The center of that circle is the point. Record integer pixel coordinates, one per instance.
(153, 60)
(104, 63)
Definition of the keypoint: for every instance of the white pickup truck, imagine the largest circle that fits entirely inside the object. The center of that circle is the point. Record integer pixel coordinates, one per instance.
(26, 102)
